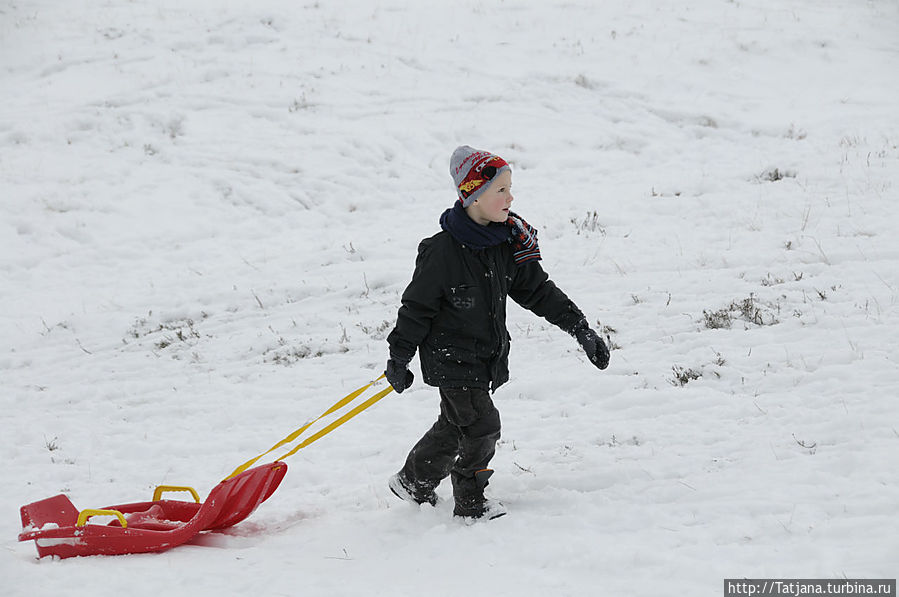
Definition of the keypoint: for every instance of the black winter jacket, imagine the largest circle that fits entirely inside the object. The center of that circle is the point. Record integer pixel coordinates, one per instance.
(454, 311)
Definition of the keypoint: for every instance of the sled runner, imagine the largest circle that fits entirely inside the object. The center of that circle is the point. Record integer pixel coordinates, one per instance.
(59, 529)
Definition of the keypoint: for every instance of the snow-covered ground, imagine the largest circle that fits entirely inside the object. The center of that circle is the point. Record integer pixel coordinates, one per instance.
(208, 211)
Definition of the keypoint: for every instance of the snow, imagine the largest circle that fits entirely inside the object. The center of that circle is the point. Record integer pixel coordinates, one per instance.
(209, 211)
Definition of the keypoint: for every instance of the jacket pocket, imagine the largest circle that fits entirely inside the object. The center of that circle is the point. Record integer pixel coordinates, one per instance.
(463, 297)
(458, 407)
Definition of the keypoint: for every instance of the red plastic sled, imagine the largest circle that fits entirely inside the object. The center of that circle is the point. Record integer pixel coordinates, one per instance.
(59, 529)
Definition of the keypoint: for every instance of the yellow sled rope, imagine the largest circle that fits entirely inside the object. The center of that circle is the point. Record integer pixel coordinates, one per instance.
(325, 430)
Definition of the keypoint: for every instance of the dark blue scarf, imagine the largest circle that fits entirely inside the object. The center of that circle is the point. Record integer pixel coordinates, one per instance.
(515, 230)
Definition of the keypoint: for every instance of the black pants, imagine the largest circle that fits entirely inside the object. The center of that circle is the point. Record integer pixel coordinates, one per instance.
(461, 442)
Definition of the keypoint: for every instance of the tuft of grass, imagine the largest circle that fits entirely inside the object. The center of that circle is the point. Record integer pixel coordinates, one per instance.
(770, 280)
(168, 333)
(378, 331)
(775, 174)
(614, 442)
(590, 223)
(293, 354)
(718, 320)
(749, 310)
(684, 375)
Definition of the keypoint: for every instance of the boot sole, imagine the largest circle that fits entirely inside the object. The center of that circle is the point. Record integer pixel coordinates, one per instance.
(469, 520)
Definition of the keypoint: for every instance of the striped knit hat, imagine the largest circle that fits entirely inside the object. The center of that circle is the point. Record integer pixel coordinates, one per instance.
(472, 170)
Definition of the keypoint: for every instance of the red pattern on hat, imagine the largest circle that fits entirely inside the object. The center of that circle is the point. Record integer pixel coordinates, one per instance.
(475, 179)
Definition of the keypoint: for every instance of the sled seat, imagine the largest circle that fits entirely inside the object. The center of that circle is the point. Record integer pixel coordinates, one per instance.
(59, 529)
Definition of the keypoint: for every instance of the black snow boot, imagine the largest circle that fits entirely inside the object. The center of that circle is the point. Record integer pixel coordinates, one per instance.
(411, 491)
(470, 500)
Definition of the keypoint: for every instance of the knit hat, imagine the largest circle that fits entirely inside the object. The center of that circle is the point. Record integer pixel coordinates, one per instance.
(472, 170)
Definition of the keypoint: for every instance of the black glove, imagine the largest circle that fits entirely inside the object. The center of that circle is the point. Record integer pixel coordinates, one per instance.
(398, 375)
(593, 345)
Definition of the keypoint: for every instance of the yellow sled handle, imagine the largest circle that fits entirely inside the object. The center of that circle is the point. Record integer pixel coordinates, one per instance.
(85, 514)
(163, 488)
(337, 406)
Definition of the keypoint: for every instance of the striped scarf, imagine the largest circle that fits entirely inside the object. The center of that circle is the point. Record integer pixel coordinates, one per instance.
(524, 239)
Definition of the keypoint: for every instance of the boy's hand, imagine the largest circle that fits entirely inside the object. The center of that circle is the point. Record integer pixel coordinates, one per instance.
(593, 345)
(398, 375)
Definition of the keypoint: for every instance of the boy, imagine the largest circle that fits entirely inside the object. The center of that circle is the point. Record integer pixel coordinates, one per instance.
(454, 314)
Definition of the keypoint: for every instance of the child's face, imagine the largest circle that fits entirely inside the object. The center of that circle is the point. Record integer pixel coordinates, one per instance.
(493, 203)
